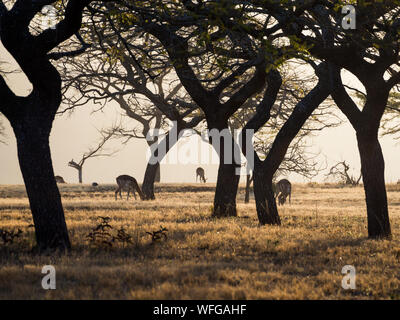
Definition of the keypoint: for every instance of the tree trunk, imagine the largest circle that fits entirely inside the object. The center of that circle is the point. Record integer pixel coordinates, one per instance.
(226, 191)
(264, 171)
(373, 172)
(153, 167)
(158, 175)
(149, 179)
(228, 178)
(267, 211)
(80, 174)
(247, 192)
(44, 197)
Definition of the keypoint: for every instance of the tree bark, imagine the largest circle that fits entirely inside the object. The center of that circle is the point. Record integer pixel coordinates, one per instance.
(247, 192)
(226, 191)
(80, 174)
(373, 172)
(153, 167)
(264, 170)
(149, 179)
(228, 178)
(267, 211)
(158, 175)
(37, 170)
(366, 123)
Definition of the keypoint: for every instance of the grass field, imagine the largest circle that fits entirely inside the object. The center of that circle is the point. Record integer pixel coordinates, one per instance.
(323, 229)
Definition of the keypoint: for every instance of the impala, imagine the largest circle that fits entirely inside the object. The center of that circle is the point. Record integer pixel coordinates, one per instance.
(201, 173)
(283, 189)
(128, 183)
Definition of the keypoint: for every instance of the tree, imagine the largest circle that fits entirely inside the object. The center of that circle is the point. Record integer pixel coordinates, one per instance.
(93, 152)
(371, 53)
(265, 169)
(242, 22)
(144, 90)
(295, 84)
(390, 121)
(194, 55)
(340, 172)
(211, 45)
(31, 117)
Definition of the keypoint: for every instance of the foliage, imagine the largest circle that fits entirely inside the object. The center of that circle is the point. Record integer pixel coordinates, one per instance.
(158, 234)
(101, 234)
(8, 236)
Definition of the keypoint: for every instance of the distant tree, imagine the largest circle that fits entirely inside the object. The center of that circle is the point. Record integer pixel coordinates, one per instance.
(340, 172)
(93, 152)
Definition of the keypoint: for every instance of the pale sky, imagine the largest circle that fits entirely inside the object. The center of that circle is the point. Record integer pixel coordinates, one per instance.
(72, 135)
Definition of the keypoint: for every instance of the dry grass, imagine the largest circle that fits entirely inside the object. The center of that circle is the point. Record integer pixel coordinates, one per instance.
(323, 229)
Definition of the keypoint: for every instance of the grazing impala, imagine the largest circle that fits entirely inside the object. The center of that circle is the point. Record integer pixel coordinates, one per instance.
(201, 173)
(128, 183)
(283, 189)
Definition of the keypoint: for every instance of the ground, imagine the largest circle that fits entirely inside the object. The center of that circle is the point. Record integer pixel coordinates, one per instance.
(323, 229)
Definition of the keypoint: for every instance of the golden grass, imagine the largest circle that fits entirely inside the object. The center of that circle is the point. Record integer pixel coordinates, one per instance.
(322, 230)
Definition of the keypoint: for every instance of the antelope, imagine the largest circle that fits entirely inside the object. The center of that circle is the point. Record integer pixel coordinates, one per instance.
(59, 179)
(128, 183)
(283, 189)
(200, 173)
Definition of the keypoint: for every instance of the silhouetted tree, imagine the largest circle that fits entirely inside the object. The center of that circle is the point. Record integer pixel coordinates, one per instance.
(93, 152)
(370, 52)
(145, 90)
(31, 116)
(194, 55)
(340, 172)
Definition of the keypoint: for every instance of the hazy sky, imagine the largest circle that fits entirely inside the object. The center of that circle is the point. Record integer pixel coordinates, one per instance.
(73, 135)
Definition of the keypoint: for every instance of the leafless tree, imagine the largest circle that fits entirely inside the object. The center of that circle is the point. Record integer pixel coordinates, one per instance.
(340, 172)
(93, 152)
